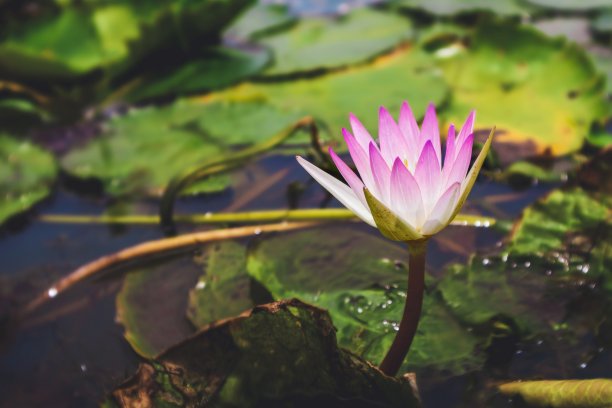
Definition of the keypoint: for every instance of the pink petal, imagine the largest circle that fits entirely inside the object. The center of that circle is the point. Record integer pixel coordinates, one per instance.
(406, 198)
(380, 172)
(441, 212)
(392, 142)
(430, 130)
(462, 162)
(409, 127)
(428, 175)
(339, 190)
(467, 128)
(361, 159)
(449, 148)
(351, 178)
(361, 133)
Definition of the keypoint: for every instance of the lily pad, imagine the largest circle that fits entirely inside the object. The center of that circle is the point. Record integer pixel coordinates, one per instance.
(488, 288)
(360, 279)
(323, 43)
(570, 231)
(141, 151)
(405, 75)
(506, 65)
(452, 7)
(571, 4)
(259, 20)
(27, 174)
(152, 302)
(224, 290)
(279, 354)
(216, 69)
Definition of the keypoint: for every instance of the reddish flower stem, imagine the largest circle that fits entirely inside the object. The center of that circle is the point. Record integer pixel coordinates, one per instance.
(412, 310)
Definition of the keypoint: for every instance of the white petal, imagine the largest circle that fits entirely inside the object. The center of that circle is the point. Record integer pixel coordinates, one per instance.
(341, 191)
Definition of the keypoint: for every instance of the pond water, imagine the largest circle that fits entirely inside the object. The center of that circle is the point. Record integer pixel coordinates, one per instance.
(528, 298)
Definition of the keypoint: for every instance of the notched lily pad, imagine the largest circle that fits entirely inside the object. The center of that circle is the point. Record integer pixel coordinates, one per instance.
(281, 354)
(508, 64)
(323, 43)
(27, 174)
(360, 279)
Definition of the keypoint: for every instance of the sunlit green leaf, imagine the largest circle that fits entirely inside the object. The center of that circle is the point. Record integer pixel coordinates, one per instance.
(259, 20)
(26, 175)
(507, 65)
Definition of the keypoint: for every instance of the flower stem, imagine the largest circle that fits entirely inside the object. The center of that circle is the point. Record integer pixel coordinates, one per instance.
(412, 310)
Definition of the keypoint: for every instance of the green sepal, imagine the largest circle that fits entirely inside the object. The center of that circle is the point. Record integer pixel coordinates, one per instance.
(472, 175)
(389, 224)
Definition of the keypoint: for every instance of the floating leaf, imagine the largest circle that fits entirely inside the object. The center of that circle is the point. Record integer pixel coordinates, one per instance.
(595, 393)
(489, 287)
(328, 98)
(26, 175)
(224, 290)
(322, 43)
(142, 150)
(571, 4)
(152, 302)
(570, 231)
(217, 68)
(508, 64)
(260, 20)
(279, 354)
(451, 7)
(331, 268)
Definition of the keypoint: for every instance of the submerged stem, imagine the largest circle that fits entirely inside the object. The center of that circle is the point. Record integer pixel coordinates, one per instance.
(412, 310)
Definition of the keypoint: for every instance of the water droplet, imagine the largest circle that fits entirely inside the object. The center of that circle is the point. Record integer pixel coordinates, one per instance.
(527, 264)
(518, 352)
(83, 367)
(257, 231)
(486, 261)
(52, 292)
(208, 214)
(478, 223)
(201, 285)
(583, 365)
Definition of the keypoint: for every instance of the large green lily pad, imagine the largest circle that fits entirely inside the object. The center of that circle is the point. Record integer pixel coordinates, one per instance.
(571, 4)
(406, 75)
(322, 43)
(141, 151)
(224, 290)
(451, 7)
(281, 354)
(26, 175)
(536, 90)
(489, 288)
(360, 279)
(152, 302)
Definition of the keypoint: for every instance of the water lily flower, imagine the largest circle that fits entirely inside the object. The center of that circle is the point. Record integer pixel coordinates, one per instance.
(405, 187)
